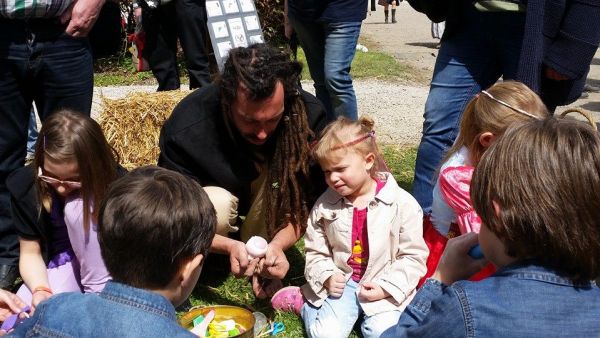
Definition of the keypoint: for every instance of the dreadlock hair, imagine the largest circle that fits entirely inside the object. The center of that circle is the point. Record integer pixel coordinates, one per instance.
(258, 68)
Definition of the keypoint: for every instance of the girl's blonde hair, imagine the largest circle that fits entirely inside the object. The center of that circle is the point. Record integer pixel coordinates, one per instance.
(343, 135)
(494, 111)
(69, 136)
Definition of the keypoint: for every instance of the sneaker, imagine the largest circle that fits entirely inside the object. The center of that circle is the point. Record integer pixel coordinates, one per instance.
(288, 299)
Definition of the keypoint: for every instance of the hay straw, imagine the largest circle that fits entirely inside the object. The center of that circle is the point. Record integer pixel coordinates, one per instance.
(132, 124)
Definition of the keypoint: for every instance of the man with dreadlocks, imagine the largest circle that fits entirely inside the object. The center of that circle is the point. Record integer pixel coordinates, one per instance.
(246, 140)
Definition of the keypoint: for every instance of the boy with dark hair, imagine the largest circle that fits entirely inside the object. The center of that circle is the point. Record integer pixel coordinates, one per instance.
(155, 228)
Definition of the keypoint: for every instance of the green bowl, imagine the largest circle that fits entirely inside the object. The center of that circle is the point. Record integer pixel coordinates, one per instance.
(241, 316)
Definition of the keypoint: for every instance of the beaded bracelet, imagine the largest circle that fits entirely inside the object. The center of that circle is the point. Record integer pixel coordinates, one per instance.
(42, 288)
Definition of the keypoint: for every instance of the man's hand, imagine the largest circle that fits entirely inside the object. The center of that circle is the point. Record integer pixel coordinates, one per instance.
(9, 304)
(371, 292)
(81, 16)
(335, 285)
(274, 265)
(238, 258)
(456, 264)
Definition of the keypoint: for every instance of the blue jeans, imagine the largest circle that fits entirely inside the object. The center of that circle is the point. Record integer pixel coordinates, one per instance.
(336, 317)
(488, 46)
(329, 50)
(41, 63)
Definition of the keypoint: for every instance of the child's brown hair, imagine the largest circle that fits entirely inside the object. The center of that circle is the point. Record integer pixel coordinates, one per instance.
(544, 177)
(343, 135)
(152, 221)
(69, 136)
(493, 111)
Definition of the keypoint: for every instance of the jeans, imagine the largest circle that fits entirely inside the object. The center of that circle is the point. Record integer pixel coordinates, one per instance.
(336, 317)
(488, 46)
(40, 63)
(329, 50)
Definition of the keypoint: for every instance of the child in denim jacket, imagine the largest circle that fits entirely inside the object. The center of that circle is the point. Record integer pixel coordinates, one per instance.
(537, 191)
(364, 247)
(153, 254)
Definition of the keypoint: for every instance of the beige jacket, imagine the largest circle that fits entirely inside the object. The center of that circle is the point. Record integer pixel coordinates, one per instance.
(397, 251)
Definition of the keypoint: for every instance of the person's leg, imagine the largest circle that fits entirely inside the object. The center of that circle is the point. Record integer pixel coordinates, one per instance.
(63, 75)
(465, 65)
(394, 3)
(340, 47)
(336, 317)
(312, 40)
(15, 105)
(161, 44)
(386, 12)
(374, 326)
(193, 35)
(226, 207)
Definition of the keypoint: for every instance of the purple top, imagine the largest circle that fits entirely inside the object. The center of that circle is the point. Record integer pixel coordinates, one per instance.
(85, 246)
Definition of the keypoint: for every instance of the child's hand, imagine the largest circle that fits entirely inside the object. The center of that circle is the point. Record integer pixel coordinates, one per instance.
(371, 292)
(37, 298)
(455, 263)
(9, 304)
(335, 285)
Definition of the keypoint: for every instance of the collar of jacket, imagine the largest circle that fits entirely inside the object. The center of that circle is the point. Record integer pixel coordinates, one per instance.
(386, 195)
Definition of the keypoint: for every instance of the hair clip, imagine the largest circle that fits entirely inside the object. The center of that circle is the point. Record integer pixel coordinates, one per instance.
(356, 141)
(521, 111)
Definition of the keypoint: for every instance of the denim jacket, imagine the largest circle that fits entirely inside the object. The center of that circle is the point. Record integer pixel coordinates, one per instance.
(118, 311)
(521, 300)
(397, 251)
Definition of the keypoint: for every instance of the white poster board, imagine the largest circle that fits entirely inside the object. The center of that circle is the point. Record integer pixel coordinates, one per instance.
(231, 24)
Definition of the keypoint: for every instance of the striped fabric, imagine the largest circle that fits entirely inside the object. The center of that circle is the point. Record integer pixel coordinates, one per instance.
(26, 9)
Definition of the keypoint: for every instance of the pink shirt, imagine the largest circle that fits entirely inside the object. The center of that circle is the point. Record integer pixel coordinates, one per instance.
(360, 240)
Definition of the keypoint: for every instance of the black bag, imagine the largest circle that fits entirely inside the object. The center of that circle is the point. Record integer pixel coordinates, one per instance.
(436, 10)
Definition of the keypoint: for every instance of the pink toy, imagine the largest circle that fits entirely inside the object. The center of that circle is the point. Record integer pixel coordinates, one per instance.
(256, 247)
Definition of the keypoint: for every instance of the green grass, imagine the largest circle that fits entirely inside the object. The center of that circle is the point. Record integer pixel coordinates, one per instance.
(217, 286)
(119, 70)
(371, 64)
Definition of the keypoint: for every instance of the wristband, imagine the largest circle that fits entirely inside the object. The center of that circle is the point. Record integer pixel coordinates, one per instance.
(42, 288)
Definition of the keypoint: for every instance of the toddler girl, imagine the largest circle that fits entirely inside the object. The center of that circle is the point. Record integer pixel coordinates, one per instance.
(53, 201)
(364, 247)
(485, 118)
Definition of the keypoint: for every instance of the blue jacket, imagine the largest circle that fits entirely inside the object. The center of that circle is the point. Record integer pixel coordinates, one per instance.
(118, 311)
(522, 300)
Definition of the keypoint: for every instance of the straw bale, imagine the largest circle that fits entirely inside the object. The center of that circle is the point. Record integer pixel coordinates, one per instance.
(132, 124)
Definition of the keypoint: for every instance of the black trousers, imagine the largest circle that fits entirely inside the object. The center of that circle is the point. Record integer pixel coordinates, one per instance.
(183, 19)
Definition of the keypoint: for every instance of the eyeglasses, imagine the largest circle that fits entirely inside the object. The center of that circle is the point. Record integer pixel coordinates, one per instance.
(55, 181)
(521, 111)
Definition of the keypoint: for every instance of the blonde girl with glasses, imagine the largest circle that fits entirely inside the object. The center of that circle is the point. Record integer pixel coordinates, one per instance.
(364, 246)
(54, 206)
(486, 117)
